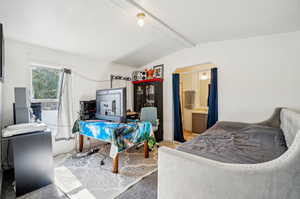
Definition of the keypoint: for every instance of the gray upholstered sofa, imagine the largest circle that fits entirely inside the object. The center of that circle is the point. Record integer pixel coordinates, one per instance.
(186, 175)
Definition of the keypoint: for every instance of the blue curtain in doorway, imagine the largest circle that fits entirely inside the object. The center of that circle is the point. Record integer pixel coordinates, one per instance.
(213, 99)
(178, 130)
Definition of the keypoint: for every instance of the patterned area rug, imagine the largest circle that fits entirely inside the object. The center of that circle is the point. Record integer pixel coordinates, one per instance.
(82, 178)
(85, 177)
(145, 189)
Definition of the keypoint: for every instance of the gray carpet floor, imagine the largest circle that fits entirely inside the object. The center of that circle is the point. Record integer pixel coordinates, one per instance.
(144, 189)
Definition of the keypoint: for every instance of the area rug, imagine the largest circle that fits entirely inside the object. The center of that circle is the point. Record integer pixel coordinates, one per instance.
(145, 189)
(86, 178)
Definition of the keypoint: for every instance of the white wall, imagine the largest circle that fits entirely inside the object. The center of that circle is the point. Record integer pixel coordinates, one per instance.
(19, 56)
(255, 76)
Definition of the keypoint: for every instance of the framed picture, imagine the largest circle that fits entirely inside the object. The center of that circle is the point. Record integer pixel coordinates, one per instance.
(139, 75)
(159, 71)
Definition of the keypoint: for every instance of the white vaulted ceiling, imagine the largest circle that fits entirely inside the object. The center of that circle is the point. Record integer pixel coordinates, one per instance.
(107, 29)
(215, 20)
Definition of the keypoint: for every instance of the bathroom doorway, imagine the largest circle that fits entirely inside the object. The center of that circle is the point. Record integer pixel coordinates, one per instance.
(194, 92)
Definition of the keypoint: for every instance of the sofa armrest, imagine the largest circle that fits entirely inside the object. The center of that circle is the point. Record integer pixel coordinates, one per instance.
(183, 175)
(274, 120)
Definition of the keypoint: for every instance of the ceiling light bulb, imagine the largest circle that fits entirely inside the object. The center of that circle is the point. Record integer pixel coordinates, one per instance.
(141, 16)
(140, 22)
(203, 76)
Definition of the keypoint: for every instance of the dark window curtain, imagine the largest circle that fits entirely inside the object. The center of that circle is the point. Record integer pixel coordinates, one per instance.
(213, 99)
(178, 130)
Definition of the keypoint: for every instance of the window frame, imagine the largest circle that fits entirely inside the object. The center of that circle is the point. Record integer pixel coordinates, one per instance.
(36, 65)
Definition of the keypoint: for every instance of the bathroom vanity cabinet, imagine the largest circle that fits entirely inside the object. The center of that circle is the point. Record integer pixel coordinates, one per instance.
(199, 122)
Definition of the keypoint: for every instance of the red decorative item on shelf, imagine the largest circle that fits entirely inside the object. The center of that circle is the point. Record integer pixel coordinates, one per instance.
(148, 80)
(150, 73)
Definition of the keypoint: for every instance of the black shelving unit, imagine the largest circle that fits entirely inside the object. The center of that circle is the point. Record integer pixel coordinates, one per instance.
(150, 93)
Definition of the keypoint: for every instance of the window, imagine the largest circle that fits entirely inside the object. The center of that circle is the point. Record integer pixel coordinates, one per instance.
(45, 85)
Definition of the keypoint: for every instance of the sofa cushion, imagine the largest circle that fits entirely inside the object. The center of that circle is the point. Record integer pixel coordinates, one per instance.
(290, 124)
(233, 142)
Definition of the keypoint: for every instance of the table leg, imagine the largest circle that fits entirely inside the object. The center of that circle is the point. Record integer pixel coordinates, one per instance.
(116, 164)
(81, 138)
(146, 149)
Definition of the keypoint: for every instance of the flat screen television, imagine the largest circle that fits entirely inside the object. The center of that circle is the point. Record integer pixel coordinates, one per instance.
(1, 52)
(111, 104)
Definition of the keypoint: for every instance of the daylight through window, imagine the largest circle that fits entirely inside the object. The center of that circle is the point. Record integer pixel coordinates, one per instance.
(45, 83)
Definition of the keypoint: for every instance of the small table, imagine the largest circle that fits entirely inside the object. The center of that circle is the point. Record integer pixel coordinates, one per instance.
(121, 136)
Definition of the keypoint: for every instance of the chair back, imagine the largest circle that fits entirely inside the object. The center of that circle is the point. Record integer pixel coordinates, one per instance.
(149, 114)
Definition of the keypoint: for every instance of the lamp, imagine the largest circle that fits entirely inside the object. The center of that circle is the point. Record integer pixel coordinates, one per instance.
(140, 19)
(203, 76)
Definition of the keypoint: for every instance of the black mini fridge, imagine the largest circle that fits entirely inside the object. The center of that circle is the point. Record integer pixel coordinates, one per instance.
(33, 161)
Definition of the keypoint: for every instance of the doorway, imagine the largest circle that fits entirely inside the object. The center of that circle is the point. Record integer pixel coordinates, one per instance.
(194, 92)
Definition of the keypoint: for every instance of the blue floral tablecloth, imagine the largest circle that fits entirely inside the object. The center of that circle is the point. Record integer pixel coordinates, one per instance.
(120, 135)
